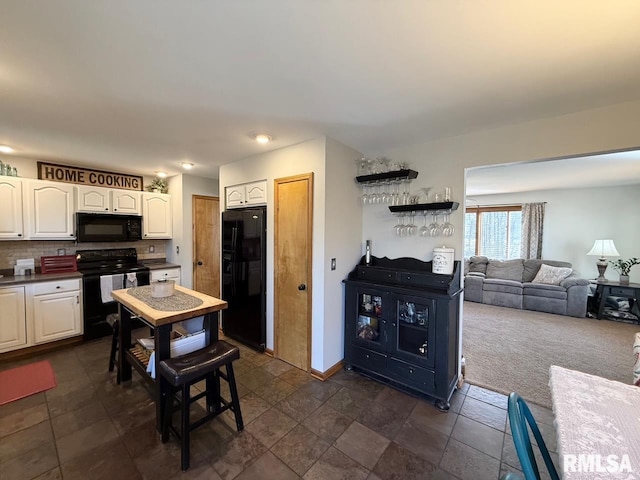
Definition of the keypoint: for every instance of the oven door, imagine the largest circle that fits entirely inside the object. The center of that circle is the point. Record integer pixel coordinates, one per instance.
(98, 227)
(95, 310)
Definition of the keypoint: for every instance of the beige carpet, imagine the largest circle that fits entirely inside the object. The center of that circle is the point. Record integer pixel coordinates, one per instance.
(511, 350)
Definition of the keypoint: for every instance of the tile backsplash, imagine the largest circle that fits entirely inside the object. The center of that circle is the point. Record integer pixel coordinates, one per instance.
(10, 251)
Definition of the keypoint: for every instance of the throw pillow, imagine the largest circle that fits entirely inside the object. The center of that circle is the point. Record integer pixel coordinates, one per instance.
(551, 275)
(636, 366)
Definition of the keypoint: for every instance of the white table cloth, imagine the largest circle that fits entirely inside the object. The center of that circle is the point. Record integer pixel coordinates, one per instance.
(598, 426)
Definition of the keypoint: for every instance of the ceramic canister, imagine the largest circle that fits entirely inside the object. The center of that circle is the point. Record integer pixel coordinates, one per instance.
(443, 260)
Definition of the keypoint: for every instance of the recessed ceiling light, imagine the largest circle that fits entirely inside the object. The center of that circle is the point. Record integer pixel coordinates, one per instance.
(187, 165)
(6, 149)
(161, 174)
(263, 138)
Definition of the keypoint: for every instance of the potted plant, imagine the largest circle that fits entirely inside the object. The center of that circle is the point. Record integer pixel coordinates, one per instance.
(158, 185)
(623, 267)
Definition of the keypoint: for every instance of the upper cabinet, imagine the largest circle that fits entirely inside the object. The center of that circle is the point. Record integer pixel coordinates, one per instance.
(11, 201)
(49, 209)
(247, 194)
(105, 200)
(156, 215)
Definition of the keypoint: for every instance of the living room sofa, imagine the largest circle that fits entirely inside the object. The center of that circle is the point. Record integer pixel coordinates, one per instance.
(510, 283)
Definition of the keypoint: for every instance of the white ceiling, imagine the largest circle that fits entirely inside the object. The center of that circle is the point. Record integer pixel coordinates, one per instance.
(138, 85)
(612, 169)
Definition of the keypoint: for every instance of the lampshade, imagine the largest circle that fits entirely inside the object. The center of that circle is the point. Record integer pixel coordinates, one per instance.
(604, 248)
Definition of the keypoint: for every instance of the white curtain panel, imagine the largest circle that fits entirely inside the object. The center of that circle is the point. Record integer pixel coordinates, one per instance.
(532, 227)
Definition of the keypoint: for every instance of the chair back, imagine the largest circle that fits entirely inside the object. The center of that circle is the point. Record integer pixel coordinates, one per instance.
(521, 420)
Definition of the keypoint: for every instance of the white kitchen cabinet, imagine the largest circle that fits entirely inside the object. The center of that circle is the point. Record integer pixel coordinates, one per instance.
(56, 310)
(172, 273)
(246, 195)
(13, 323)
(11, 204)
(156, 215)
(126, 201)
(106, 200)
(49, 209)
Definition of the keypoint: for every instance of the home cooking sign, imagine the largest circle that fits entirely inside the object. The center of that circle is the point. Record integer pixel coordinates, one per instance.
(87, 176)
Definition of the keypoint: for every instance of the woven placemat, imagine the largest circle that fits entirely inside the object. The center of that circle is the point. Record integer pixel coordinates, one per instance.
(177, 301)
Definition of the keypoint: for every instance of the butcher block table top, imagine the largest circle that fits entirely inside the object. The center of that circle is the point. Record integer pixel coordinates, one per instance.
(159, 317)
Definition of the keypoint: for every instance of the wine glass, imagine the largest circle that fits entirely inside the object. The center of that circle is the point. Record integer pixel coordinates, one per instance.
(424, 230)
(447, 227)
(399, 226)
(434, 227)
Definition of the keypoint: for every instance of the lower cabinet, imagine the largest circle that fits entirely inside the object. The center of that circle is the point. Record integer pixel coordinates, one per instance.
(172, 273)
(37, 313)
(13, 327)
(56, 311)
(401, 333)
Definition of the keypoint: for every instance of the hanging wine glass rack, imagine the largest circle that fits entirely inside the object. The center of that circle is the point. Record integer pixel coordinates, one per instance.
(386, 176)
(419, 207)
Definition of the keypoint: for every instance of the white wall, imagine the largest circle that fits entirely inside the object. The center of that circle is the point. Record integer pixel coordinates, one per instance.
(575, 218)
(343, 234)
(182, 187)
(443, 163)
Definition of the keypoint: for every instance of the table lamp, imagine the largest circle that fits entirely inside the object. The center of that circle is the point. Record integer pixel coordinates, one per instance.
(603, 248)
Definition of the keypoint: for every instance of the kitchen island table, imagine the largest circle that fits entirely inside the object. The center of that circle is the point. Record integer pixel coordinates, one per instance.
(160, 314)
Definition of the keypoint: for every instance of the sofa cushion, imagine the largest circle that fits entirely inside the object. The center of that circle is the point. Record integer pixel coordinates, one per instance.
(544, 290)
(478, 263)
(551, 275)
(502, 286)
(531, 268)
(506, 269)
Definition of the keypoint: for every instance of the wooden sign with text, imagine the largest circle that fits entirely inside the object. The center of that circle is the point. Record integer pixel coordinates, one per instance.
(87, 176)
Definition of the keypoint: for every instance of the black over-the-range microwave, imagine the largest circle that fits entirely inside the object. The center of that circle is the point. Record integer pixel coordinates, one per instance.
(102, 227)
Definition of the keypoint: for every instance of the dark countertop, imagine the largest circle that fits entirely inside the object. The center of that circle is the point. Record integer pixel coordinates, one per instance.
(11, 280)
(158, 264)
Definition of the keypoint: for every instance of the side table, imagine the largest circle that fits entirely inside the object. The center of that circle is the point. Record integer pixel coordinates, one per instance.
(606, 289)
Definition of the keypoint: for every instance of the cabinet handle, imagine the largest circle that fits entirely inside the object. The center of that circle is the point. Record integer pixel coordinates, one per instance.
(19, 234)
(411, 370)
(106, 209)
(367, 355)
(408, 277)
(58, 287)
(393, 324)
(77, 299)
(115, 209)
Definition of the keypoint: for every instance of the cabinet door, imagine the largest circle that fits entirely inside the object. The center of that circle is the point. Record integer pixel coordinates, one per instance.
(156, 213)
(56, 316)
(11, 202)
(93, 199)
(235, 196)
(13, 331)
(256, 193)
(167, 274)
(126, 202)
(413, 330)
(49, 210)
(369, 327)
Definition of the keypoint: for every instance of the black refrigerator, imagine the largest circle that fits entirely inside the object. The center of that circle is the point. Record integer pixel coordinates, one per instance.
(244, 275)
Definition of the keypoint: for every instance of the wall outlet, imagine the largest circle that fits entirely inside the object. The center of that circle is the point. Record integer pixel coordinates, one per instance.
(177, 250)
(333, 264)
(152, 249)
(62, 251)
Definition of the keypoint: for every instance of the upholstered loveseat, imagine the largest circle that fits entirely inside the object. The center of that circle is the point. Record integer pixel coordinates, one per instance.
(510, 283)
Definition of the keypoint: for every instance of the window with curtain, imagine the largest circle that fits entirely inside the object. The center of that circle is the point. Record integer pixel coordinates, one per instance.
(495, 232)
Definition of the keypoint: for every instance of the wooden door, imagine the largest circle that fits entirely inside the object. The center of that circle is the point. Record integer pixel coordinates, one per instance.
(206, 245)
(292, 269)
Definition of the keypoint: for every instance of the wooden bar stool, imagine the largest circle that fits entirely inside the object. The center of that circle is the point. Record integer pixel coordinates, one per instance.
(182, 372)
(113, 319)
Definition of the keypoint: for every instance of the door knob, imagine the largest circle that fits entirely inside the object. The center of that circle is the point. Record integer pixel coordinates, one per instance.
(199, 263)
(302, 286)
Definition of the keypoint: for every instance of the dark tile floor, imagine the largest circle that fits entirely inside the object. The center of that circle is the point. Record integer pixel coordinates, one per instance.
(348, 427)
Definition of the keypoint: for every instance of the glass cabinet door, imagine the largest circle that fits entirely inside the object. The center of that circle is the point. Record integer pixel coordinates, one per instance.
(370, 318)
(415, 329)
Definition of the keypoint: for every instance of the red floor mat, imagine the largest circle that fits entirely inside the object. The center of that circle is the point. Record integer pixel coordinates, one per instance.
(20, 382)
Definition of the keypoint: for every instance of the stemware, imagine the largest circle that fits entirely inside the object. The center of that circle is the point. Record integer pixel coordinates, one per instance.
(447, 227)
(400, 225)
(424, 230)
(434, 227)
